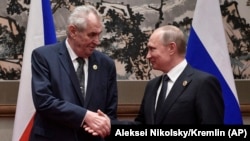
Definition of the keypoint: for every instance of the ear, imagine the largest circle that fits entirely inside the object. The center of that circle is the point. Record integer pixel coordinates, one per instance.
(72, 31)
(172, 47)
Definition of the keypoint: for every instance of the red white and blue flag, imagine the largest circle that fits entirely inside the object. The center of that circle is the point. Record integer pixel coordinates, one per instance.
(40, 31)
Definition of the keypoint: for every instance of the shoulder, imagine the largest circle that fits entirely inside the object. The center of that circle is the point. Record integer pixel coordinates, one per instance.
(48, 51)
(204, 76)
(48, 48)
(102, 57)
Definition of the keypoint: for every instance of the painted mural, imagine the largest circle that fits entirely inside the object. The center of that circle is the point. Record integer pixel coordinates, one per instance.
(128, 24)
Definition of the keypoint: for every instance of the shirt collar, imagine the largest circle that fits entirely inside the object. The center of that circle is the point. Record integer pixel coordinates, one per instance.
(175, 72)
(72, 54)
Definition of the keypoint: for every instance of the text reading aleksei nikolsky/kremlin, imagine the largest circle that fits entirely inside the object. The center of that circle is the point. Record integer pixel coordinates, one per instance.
(229, 133)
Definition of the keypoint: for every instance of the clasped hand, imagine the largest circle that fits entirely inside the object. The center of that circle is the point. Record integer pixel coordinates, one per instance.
(97, 123)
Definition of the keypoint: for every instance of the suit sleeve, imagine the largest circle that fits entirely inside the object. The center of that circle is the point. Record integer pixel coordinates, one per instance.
(111, 108)
(209, 103)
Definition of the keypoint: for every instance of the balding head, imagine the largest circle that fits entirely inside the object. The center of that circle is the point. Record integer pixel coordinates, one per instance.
(170, 33)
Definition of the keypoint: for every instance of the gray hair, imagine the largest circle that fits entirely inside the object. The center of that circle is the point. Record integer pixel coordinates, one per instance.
(78, 17)
(173, 34)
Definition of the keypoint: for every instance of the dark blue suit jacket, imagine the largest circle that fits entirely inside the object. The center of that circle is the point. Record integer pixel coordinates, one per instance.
(195, 98)
(59, 105)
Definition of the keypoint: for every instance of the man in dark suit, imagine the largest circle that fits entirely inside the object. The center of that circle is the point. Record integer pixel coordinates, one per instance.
(62, 110)
(192, 96)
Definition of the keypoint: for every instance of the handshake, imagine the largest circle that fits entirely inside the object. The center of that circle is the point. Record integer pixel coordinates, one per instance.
(97, 123)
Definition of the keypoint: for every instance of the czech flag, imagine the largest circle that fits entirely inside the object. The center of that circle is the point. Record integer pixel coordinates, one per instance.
(40, 31)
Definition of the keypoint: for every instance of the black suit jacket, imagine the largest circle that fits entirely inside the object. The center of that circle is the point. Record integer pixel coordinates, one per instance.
(59, 105)
(199, 101)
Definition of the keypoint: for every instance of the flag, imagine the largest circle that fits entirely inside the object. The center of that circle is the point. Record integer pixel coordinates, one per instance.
(40, 31)
(207, 50)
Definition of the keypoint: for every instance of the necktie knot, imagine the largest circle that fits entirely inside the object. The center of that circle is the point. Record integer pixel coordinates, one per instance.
(80, 60)
(165, 77)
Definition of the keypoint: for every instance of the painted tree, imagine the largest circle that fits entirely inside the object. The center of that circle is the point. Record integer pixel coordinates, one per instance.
(238, 37)
(126, 42)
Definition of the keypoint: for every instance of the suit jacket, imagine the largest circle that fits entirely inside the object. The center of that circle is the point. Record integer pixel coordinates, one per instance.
(57, 97)
(199, 101)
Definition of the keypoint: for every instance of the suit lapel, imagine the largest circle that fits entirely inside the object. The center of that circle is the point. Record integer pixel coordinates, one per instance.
(93, 68)
(179, 86)
(69, 68)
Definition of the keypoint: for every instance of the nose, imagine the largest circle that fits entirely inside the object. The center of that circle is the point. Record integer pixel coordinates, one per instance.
(148, 56)
(97, 40)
